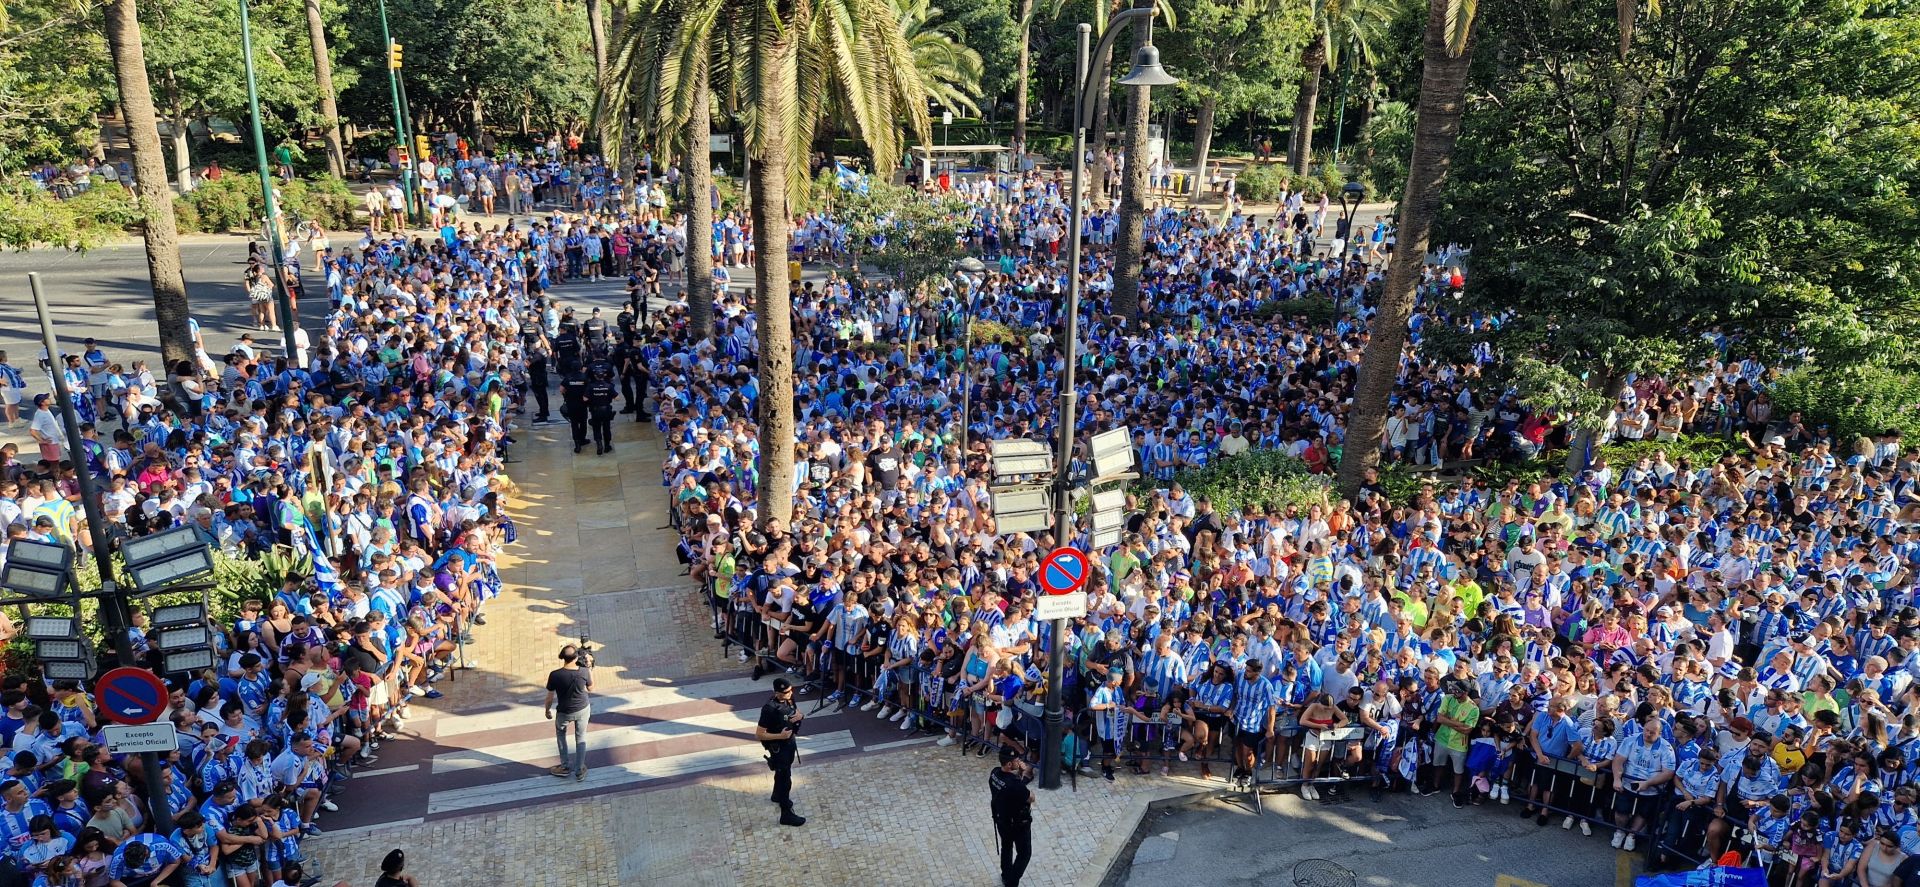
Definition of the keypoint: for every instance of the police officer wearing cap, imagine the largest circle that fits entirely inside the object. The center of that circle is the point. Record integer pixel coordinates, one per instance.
(600, 394)
(533, 343)
(573, 402)
(594, 330)
(779, 724)
(632, 363)
(1012, 806)
(566, 345)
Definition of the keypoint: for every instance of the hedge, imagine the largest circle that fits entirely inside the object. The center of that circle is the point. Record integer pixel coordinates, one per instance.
(234, 203)
(1857, 401)
(1269, 478)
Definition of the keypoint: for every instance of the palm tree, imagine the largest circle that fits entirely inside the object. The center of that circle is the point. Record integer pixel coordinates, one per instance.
(949, 69)
(162, 236)
(791, 62)
(1359, 24)
(1101, 71)
(1130, 240)
(1448, 44)
(1021, 74)
(323, 81)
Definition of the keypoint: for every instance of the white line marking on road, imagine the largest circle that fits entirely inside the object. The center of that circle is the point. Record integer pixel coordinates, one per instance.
(541, 750)
(645, 697)
(386, 771)
(521, 791)
(898, 743)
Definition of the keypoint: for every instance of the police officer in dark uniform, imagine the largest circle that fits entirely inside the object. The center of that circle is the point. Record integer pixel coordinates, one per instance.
(1012, 806)
(633, 379)
(573, 402)
(600, 394)
(594, 330)
(533, 343)
(566, 345)
(779, 724)
(625, 323)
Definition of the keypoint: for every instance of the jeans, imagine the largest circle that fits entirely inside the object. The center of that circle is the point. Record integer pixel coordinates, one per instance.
(578, 761)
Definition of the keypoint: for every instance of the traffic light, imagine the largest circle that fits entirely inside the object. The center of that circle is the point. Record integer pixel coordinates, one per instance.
(393, 55)
(422, 146)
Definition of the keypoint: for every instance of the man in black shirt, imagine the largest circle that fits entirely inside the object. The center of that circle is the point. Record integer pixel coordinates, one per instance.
(779, 724)
(1012, 815)
(573, 402)
(600, 394)
(567, 688)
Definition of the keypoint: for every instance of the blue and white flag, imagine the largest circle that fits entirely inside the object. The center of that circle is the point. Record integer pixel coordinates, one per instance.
(323, 573)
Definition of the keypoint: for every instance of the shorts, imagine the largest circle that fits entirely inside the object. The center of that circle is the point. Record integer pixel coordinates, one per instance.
(1216, 723)
(1250, 740)
(10, 395)
(1444, 756)
(1627, 803)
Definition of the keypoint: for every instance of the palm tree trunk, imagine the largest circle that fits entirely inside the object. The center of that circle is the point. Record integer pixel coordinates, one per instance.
(597, 28)
(1130, 241)
(773, 302)
(1300, 143)
(1021, 74)
(699, 166)
(1443, 89)
(162, 238)
(1202, 145)
(1102, 74)
(323, 80)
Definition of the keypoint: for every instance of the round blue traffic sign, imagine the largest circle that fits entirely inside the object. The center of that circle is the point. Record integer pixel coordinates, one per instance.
(131, 696)
(1063, 571)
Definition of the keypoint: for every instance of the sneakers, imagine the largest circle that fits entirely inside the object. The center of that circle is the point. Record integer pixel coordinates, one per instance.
(1628, 844)
(945, 741)
(901, 715)
(1310, 793)
(329, 806)
(1567, 823)
(1618, 836)
(1506, 794)
(871, 705)
(742, 656)
(562, 771)
(1586, 828)
(886, 711)
(1458, 802)
(1183, 757)
(435, 694)
(906, 724)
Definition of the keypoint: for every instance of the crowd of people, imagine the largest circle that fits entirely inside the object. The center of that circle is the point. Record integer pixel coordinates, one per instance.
(1703, 656)
(364, 474)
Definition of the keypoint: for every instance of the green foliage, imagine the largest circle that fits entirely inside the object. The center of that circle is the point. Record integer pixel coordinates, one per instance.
(1386, 143)
(1317, 309)
(54, 77)
(30, 216)
(993, 332)
(1327, 178)
(949, 68)
(1240, 55)
(921, 235)
(234, 203)
(1697, 449)
(1262, 182)
(1622, 206)
(1857, 400)
(1269, 478)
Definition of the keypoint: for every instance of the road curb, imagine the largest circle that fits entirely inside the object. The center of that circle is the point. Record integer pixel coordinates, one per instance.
(1118, 848)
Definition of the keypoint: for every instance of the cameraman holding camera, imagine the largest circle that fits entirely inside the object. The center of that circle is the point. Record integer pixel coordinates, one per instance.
(567, 688)
(779, 724)
(1012, 815)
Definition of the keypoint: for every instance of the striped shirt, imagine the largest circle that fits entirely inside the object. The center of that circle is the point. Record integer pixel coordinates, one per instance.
(1254, 700)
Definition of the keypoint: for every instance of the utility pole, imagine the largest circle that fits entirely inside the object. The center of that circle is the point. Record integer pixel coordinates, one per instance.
(282, 299)
(394, 86)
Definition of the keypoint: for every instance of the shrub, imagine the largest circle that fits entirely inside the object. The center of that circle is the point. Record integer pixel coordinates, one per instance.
(234, 203)
(29, 216)
(1386, 144)
(1269, 478)
(1857, 401)
(1262, 182)
(993, 332)
(1317, 308)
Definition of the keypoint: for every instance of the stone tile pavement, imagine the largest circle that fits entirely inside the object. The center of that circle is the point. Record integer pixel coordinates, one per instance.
(592, 550)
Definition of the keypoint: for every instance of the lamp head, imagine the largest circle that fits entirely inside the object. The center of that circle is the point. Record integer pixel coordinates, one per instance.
(1353, 194)
(1147, 70)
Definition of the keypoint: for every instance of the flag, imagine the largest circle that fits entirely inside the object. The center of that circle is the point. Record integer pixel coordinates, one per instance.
(323, 573)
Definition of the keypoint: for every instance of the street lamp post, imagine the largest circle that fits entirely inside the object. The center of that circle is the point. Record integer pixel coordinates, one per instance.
(978, 269)
(113, 600)
(1350, 198)
(1146, 72)
(282, 299)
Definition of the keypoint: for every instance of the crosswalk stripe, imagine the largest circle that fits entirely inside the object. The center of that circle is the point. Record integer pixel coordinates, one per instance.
(527, 710)
(534, 750)
(520, 791)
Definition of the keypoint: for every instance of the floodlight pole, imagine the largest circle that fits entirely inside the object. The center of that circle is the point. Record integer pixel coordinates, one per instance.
(113, 602)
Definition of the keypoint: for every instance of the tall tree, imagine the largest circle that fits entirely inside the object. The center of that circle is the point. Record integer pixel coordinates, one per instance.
(1339, 26)
(1023, 75)
(698, 158)
(949, 69)
(1443, 95)
(1130, 240)
(792, 62)
(161, 236)
(1232, 56)
(323, 83)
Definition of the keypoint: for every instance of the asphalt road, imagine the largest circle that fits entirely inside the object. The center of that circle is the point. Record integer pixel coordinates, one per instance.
(1402, 841)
